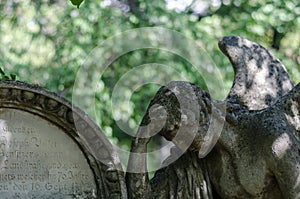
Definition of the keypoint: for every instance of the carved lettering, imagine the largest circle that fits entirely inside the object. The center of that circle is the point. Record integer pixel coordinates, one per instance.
(37, 157)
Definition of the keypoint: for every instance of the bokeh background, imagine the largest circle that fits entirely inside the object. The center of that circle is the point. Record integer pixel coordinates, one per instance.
(45, 42)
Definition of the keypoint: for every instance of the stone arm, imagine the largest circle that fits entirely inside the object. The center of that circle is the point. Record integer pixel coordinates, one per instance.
(137, 180)
(187, 177)
(174, 110)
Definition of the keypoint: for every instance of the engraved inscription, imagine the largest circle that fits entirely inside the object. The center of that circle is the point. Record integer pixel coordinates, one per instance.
(39, 160)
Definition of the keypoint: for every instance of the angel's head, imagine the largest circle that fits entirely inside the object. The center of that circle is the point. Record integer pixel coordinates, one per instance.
(182, 113)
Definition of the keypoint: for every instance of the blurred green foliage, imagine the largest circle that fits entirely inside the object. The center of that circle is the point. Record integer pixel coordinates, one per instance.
(45, 42)
(4, 76)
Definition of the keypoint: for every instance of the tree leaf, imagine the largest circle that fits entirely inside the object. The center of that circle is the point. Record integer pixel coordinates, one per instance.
(76, 2)
(2, 72)
(13, 76)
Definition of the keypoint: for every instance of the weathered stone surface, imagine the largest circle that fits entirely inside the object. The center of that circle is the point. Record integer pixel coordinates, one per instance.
(257, 153)
(252, 140)
(184, 105)
(187, 177)
(49, 149)
(259, 158)
(39, 160)
(260, 78)
(244, 163)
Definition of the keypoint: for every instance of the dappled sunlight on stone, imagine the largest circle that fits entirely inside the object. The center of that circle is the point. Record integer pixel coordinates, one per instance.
(293, 118)
(5, 137)
(281, 145)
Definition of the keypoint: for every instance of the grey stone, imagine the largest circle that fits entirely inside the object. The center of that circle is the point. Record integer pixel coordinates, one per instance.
(244, 147)
(257, 153)
(51, 149)
(260, 78)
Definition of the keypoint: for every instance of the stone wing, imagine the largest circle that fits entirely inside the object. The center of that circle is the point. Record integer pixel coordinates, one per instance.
(260, 78)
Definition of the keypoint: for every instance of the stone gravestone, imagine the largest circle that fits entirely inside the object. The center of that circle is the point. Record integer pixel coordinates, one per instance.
(49, 149)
